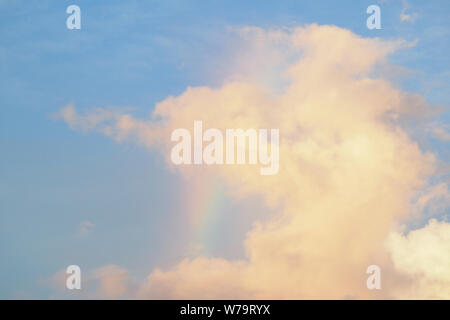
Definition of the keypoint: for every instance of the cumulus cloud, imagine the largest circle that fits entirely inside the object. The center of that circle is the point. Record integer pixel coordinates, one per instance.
(424, 255)
(114, 281)
(348, 169)
(219, 279)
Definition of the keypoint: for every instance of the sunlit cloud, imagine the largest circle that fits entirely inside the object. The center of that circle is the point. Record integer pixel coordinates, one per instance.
(348, 177)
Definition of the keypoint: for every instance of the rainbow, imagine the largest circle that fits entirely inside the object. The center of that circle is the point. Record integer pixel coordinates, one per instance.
(205, 200)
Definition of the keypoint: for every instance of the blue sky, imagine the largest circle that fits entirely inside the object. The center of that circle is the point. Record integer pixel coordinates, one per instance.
(135, 54)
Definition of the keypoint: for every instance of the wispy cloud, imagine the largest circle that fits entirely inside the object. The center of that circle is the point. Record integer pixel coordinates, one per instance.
(85, 227)
(442, 134)
(407, 17)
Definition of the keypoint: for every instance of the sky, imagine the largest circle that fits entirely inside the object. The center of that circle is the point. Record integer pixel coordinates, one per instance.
(86, 177)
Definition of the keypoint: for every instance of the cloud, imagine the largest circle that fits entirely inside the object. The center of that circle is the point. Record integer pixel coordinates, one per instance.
(85, 227)
(114, 282)
(407, 17)
(219, 279)
(441, 134)
(424, 255)
(432, 202)
(96, 119)
(348, 169)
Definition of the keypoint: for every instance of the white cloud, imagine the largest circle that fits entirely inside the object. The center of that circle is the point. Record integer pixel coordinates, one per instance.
(424, 255)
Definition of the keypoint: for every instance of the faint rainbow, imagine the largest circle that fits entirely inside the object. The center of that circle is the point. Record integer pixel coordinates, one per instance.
(205, 200)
